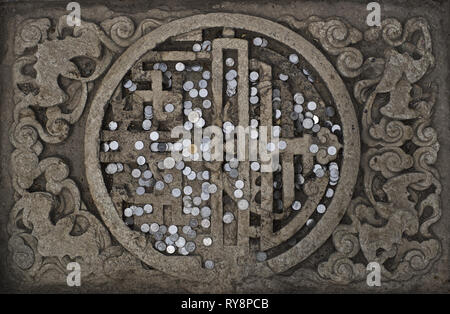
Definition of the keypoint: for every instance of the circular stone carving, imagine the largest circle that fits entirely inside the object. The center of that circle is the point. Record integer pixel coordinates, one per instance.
(275, 226)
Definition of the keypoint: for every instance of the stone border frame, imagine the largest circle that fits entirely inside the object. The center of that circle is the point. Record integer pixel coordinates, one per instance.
(300, 279)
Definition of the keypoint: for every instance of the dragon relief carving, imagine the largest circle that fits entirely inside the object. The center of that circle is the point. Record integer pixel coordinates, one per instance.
(389, 224)
(390, 221)
(54, 71)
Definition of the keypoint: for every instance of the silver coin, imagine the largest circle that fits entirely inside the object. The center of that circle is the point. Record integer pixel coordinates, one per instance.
(180, 242)
(172, 229)
(105, 147)
(293, 58)
(205, 196)
(229, 62)
(114, 145)
(193, 223)
(111, 168)
(197, 200)
(212, 188)
(187, 210)
(228, 217)
(234, 173)
(128, 212)
(313, 148)
(176, 192)
(170, 249)
(160, 246)
(298, 108)
(308, 123)
(168, 241)
(206, 103)
(192, 234)
(132, 88)
(205, 212)
(174, 237)
(296, 205)
(162, 229)
(321, 208)
(169, 162)
(197, 68)
(159, 185)
(145, 228)
(205, 223)
(239, 184)
(154, 136)
(277, 114)
(128, 84)
(154, 227)
(206, 75)
(146, 124)
(148, 208)
(140, 160)
(329, 193)
(261, 256)
(193, 93)
(203, 92)
(238, 193)
(139, 145)
(264, 42)
(283, 77)
(202, 83)
(255, 166)
(232, 84)
(138, 211)
(188, 85)
(257, 41)
(254, 76)
(186, 229)
(330, 111)
(320, 173)
(243, 204)
(254, 100)
(282, 145)
(331, 150)
(190, 246)
(191, 176)
(207, 241)
(209, 264)
(312, 105)
(112, 125)
(179, 165)
(147, 174)
(169, 108)
(195, 211)
(187, 190)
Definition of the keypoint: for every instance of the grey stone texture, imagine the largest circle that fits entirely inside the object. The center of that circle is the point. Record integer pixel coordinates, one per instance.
(383, 152)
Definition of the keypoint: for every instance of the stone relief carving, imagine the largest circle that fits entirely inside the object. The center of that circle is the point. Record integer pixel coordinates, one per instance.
(389, 222)
(52, 226)
(386, 219)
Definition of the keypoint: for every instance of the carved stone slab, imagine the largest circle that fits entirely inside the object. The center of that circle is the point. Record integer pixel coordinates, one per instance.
(102, 166)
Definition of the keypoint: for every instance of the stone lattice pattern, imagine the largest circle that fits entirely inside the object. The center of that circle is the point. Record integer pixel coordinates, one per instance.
(381, 121)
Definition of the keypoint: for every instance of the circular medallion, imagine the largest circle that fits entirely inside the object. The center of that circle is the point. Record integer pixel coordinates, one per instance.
(178, 190)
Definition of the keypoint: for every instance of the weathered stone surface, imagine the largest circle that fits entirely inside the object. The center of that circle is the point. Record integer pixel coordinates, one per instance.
(377, 142)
